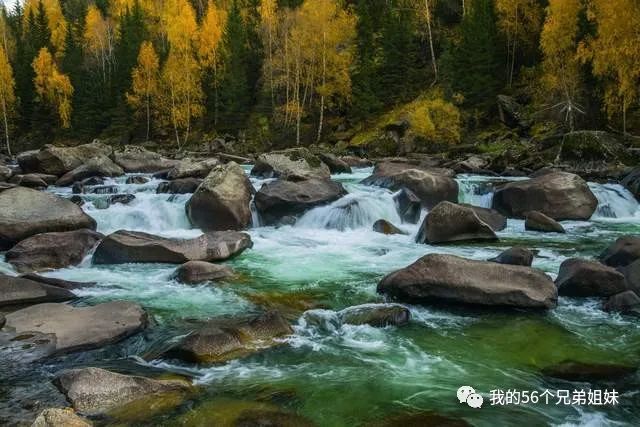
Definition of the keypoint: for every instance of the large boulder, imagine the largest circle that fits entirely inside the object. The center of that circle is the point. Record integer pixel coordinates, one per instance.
(436, 278)
(584, 278)
(68, 329)
(356, 162)
(38, 181)
(558, 195)
(189, 168)
(226, 339)
(25, 212)
(94, 391)
(515, 256)
(537, 221)
(408, 205)
(179, 186)
(194, 272)
(131, 246)
(335, 164)
(624, 251)
(135, 159)
(60, 417)
(60, 160)
(632, 276)
(52, 250)
(22, 291)
(449, 222)
(632, 182)
(627, 302)
(281, 198)
(378, 315)
(491, 217)
(294, 164)
(222, 201)
(100, 166)
(431, 186)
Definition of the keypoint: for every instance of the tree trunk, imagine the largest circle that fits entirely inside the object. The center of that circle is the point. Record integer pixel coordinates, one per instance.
(6, 125)
(324, 82)
(433, 54)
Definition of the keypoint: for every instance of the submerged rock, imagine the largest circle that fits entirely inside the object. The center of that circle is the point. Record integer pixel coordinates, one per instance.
(137, 179)
(438, 278)
(226, 339)
(194, 272)
(52, 250)
(537, 221)
(408, 205)
(294, 163)
(60, 417)
(60, 160)
(587, 372)
(558, 195)
(131, 246)
(222, 201)
(25, 212)
(385, 227)
(22, 291)
(515, 256)
(94, 391)
(100, 166)
(449, 222)
(335, 164)
(623, 252)
(136, 159)
(379, 315)
(179, 186)
(70, 329)
(627, 302)
(123, 199)
(281, 198)
(583, 278)
(430, 186)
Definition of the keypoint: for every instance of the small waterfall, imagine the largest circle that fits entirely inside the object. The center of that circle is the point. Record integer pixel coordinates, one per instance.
(358, 209)
(475, 192)
(255, 216)
(614, 201)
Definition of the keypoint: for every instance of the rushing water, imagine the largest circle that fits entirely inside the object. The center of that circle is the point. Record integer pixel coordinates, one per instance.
(343, 375)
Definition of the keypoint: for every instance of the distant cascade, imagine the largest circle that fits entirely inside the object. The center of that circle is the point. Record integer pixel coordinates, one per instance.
(359, 209)
(475, 192)
(614, 201)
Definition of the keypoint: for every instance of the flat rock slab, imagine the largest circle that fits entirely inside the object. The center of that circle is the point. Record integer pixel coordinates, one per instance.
(94, 391)
(52, 250)
(194, 272)
(136, 247)
(60, 417)
(25, 212)
(79, 328)
(22, 291)
(439, 278)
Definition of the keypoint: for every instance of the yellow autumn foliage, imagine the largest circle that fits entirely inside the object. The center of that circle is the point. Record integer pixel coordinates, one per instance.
(55, 19)
(53, 87)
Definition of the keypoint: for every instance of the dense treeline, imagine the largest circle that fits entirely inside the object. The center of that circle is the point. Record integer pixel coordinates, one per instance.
(309, 71)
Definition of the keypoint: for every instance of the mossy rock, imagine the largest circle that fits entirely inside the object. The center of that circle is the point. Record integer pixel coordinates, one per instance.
(591, 146)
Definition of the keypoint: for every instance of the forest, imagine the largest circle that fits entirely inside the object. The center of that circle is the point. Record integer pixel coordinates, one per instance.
(274, 74)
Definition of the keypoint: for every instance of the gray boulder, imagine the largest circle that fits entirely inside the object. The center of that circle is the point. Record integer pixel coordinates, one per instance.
(70, 329)
(52, 250)
(135, 159)
(624, 251)
(281, 198)
(436, 278)
(189, 168)
(194, 272)
(36, 181)
(558, 195)
(179, 186)
(408, 206)
(335, 164)
(431, 186)
(537, 221)
(60, 160)
(627, 302)
(136, 247)
(22, 291)
(100, 166)
(584, 278)
(515, 256)
(60, 417)
(378, 315)
(449, 222)
(5, 173)
(294, 163)
(225, 339)
(94, 391)
(25, 212)
(222, 201)
(491, 217)
(137, 179)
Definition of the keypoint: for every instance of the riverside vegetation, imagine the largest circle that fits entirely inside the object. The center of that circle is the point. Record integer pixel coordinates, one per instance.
(318, 212)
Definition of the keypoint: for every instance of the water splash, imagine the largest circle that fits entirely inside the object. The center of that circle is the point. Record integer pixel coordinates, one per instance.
(614, 201)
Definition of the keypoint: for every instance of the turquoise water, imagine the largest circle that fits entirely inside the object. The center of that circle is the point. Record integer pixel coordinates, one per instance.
(343, 375)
